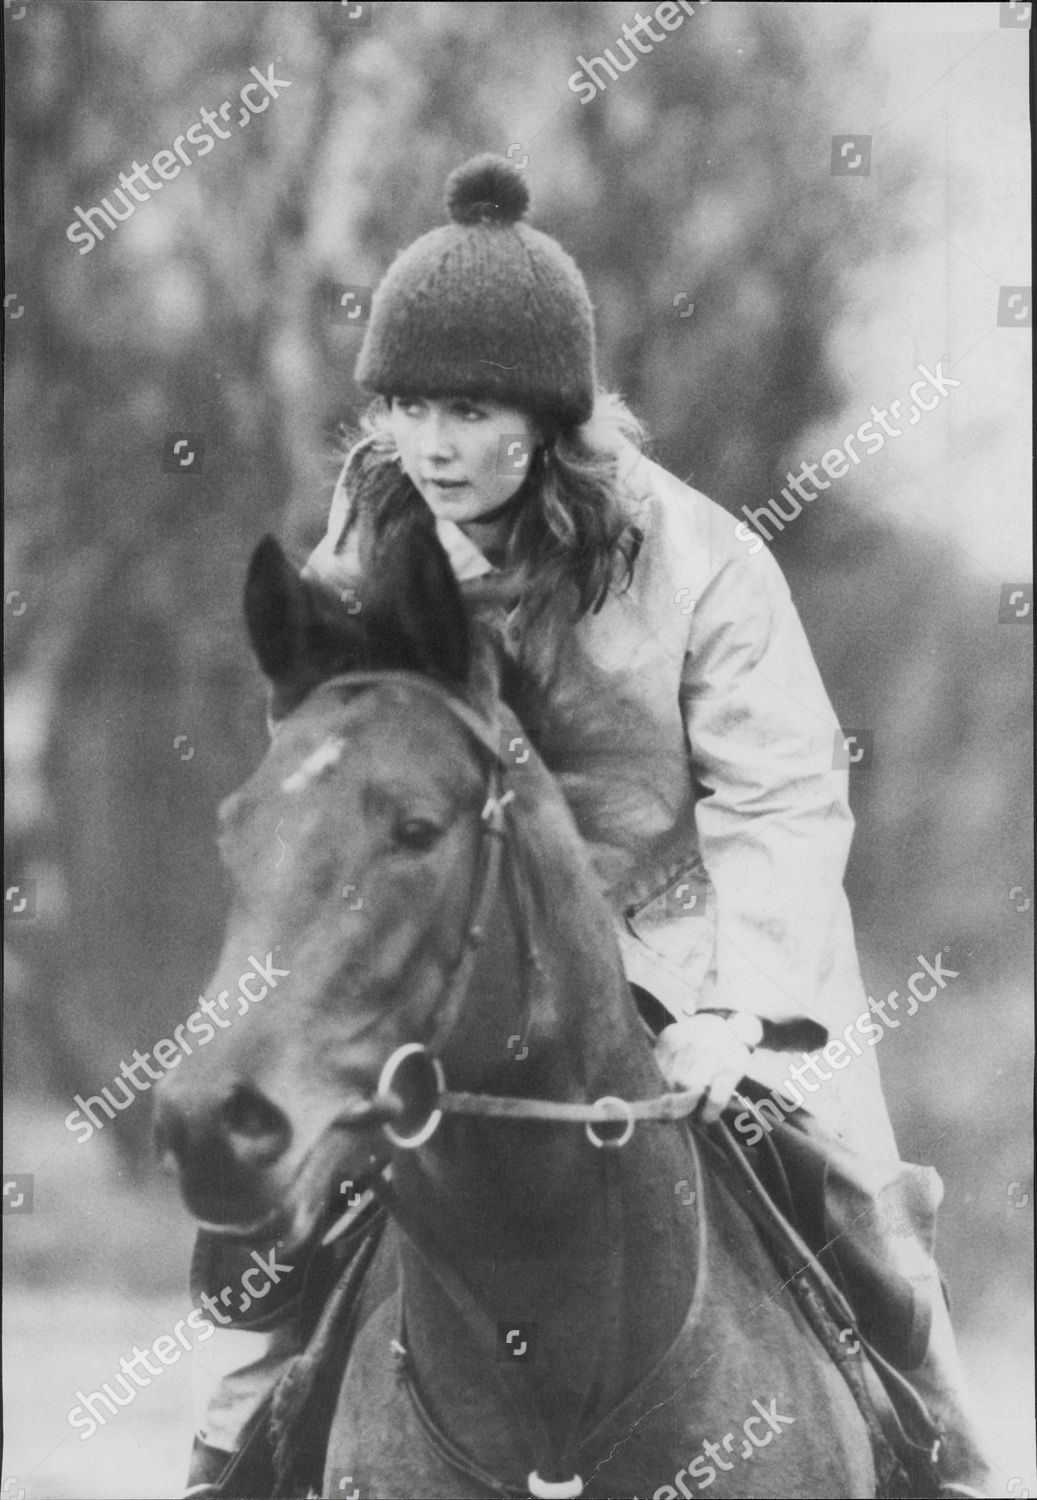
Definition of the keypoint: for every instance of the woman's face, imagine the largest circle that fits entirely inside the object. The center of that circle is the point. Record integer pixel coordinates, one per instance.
(466, 456)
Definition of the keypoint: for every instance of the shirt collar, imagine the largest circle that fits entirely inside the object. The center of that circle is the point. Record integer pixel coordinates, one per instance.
(465, 557)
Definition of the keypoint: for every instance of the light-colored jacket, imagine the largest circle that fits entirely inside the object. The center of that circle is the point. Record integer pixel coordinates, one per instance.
(689, 728)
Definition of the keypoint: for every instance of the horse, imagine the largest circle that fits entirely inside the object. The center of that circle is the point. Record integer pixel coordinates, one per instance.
(577, 1298)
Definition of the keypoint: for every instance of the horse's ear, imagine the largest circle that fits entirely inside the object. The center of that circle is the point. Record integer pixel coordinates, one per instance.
(427, 601)
(276, 611)
(411, 615)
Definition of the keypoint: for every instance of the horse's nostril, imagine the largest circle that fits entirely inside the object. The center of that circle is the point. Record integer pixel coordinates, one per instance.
(256, 1130)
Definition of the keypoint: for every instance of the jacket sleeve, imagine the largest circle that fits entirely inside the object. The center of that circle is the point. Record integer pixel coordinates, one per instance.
(772, 814)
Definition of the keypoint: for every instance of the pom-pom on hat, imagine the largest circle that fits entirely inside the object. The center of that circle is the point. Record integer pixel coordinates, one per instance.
(484, 306)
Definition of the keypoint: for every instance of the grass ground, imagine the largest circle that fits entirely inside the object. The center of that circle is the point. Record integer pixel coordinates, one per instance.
(97, 1267)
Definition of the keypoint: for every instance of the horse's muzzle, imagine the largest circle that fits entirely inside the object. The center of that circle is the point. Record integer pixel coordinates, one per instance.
(222, 1152)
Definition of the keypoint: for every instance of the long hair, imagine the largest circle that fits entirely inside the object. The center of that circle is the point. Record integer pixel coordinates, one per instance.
(574, 537)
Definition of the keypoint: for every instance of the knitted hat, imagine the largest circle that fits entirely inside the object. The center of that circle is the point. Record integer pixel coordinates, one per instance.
(485, 305)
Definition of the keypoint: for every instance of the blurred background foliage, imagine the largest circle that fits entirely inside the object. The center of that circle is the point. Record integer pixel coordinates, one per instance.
(705, 170)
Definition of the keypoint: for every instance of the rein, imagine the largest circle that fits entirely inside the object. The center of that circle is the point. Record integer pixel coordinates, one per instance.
(387, 1106)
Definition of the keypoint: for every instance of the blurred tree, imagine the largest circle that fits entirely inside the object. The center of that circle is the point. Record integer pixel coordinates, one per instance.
(132, 673)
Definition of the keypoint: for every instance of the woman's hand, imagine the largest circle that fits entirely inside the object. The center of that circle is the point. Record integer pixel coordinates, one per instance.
(708, 1055)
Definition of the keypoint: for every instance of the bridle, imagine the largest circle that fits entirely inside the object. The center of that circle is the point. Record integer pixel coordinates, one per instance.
(387, 1108)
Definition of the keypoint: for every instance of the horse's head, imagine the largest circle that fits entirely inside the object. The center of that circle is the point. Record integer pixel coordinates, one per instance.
(355, 855)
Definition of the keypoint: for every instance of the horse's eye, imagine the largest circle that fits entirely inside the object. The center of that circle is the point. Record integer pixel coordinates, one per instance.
(417, 834)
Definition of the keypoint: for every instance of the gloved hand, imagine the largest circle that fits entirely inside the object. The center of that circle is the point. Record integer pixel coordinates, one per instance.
(708, 1055)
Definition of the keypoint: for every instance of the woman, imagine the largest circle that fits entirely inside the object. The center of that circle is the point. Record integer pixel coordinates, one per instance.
(661, 670)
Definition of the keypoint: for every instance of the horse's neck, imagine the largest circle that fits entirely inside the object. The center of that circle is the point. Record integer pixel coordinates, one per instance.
(544, 1227)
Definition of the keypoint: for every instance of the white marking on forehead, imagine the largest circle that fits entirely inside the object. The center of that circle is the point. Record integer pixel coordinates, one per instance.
(316, 763)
